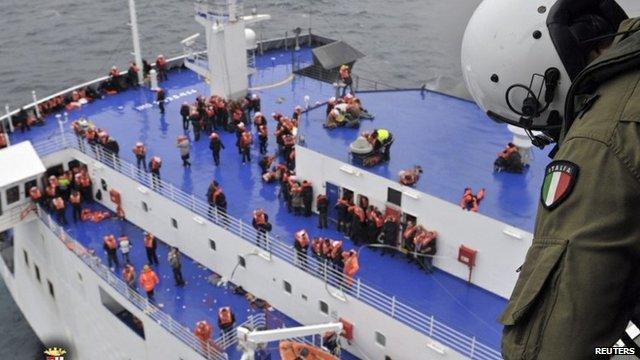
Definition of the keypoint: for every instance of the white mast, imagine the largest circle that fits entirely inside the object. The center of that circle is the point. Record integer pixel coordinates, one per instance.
(136, 39)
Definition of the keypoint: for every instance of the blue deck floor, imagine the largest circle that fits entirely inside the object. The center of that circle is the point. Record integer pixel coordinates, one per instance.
(455, 128)
(197, 300)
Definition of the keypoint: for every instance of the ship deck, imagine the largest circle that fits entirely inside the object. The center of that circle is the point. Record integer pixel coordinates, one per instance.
(449, 137)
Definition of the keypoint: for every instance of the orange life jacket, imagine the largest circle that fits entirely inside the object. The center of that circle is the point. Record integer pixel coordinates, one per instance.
(246, 139)
(202, 330)
(3, 140)
(148, 280)
(259, 218)
(336, 248)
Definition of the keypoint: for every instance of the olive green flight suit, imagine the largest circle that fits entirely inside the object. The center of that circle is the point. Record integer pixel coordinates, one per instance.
(580, 280)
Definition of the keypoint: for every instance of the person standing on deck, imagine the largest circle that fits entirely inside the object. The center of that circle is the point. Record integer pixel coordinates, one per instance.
(161, 67)
(110, 247)
(301, 244)
(185, 111)
(140, 151)
(322, 205)
(351, 266)
(59, 207)
(148, 281)
(150, 246)
(215, 144)
(203, 332)
(263, 138)
(246, 139)
(307, 197)
(261, 223)
(176, 265)
(154, 167)
(75, 200)
(210, 196)
(183, 146)
(129, 276)
(226, 319)
(132, 75)
(125, 247)
(160, 97)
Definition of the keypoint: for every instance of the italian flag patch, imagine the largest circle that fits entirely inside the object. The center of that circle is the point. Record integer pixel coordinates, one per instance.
(559, 178)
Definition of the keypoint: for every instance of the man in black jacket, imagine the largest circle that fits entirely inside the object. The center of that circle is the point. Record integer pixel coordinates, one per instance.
(215, 144)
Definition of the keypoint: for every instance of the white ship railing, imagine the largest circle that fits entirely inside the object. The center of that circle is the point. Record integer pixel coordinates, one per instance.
(183, 333)
(336, 284)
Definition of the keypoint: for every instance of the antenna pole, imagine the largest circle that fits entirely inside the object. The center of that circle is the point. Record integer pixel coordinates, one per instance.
(136, 39)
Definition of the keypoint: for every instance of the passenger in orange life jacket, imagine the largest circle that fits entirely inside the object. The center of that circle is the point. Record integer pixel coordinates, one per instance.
(469, 201)
(335, 255)
(301, 244)
(213, 187)
(263, 137)
(154, 168)
(129, 276)
(246, 140)
(265, 163)
(84, 185)
(161, 67)
(358, 224)
(110, 246)
(345, 76)
(390, 229)
(316, 248)
(226, 319)
(150, 247)
(351, 266)
(374, 225)
(203, 332)
(331, 103)
(75, 199)
(425, 244)
(261, 223)
(140, 151)
(148, 280)
(408, 234)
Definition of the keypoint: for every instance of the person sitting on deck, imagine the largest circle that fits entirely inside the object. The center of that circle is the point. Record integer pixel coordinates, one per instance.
(411, 176)
(509, 160)
(469, 201)
(113, 85)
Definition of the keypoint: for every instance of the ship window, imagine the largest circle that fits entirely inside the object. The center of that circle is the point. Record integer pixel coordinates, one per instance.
(28, 185)
(287, 286)
(53, 293)
(37, 272)
(242, 262)
(13, 194)
(120, 312)
(26, 257)
(103, 184)
(381, 339)
(212, 244)
(145, 207)
(80, 277)
(7, 249)
(324, 307)
(304, 297)
(394, 196)
(174, 223)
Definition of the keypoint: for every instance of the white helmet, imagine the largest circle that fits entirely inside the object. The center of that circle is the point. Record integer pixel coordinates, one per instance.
(519, 57)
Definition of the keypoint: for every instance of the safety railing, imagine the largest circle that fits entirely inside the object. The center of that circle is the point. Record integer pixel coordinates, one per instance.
(339, 286)
(161, 318)
(253, 322)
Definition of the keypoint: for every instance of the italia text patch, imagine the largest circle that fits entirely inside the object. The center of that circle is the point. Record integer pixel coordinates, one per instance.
(559, 179)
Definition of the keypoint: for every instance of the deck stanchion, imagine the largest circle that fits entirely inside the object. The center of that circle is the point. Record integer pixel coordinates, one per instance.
(35, 103)
(6, 109)
(431, 326)
(358, 289)
(393, 306)
(473, 347)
